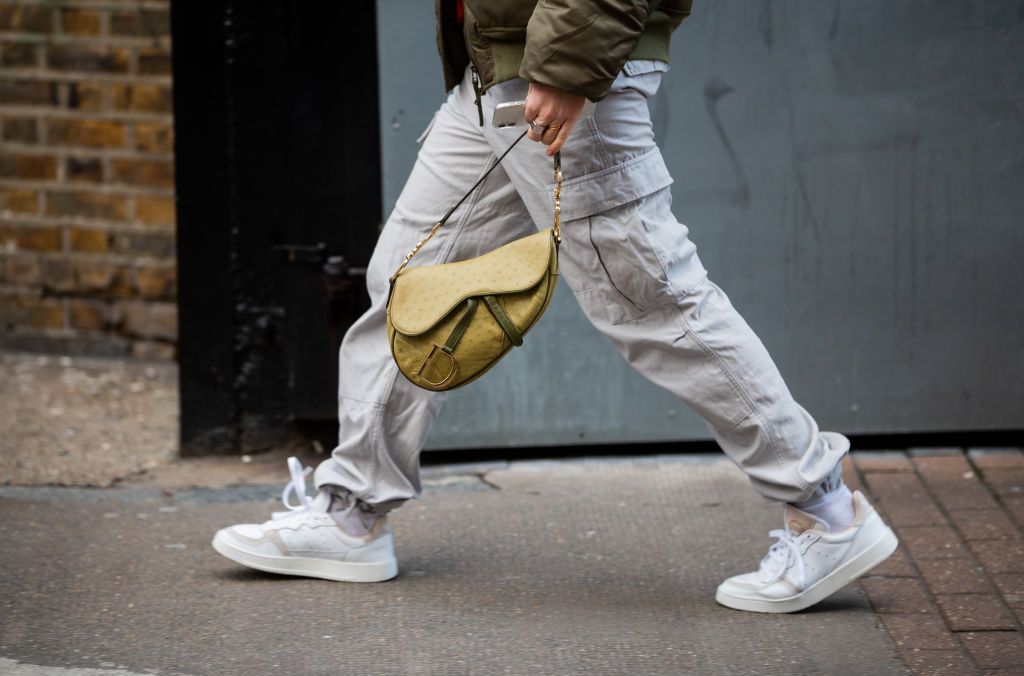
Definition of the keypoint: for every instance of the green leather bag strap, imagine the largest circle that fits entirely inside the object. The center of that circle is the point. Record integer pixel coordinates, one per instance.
(503, 320)
(460, 328)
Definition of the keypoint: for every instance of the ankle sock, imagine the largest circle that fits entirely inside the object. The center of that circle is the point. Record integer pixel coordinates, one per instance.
(832, 502)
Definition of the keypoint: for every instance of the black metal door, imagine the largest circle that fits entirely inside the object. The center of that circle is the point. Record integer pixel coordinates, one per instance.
(278, 192)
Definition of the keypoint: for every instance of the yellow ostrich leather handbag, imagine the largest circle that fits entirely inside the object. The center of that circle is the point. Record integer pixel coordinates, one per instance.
(449, 324)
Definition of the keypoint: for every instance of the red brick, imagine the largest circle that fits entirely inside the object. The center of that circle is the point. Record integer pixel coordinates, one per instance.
(942, 464)
(1008, 482)
(1011, 586)
(974, 612)
(90, 59)
(80, 21)
(58, 275)
(157, 245)
(141, 23)
(150, 319)
(142, 97)
(30, 311)
(28, 167)
(155, 210)
(29, 93)
(919, 631)
(21, 130)
(931, 542)
(19, 55)
(154, 62)
(101, 277)
(960, 491)
(882, 461)
(88, 204)
(89, 133)
(997, 458)
(1000, 556)
(88, 239)
(995, 649)
(153, 282)
(937, 662)
(953, 576)
(83, 170)
(19, 201)
(86, 96)
(26, 18)
(88, 315)
(896, 595)
(22, 269)
(154, 138)
(984, 524)
(149, 173)
(32, 238)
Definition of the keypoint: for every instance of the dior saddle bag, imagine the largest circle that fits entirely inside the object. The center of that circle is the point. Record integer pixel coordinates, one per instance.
(449, 324)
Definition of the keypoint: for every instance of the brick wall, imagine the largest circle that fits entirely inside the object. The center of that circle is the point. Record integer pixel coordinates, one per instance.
(86, 177)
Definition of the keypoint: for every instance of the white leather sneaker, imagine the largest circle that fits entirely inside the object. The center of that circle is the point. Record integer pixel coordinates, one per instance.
(307, 541)
(809, 563)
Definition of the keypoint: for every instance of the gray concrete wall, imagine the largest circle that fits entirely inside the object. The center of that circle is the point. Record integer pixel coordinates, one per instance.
(853, 176)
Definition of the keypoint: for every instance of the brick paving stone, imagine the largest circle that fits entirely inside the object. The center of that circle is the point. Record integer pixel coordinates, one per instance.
(919, 632)
(996, 458)
(1015, 506)
(996, 649)
(897, 565)
(936, 662)
(1009, 482)
(984, 524)
(999, 556)
(953, 576)
(958, 492)
(941, 464)
(1011, 586)
(975, 612)
(896, 595)
(903, 499)
(933, 542)
(882, 461)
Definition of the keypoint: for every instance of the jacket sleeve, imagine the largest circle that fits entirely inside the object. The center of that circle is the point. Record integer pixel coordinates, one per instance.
(580, 46)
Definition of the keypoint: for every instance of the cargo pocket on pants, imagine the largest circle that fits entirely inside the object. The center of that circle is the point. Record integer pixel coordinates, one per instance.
(627, 273)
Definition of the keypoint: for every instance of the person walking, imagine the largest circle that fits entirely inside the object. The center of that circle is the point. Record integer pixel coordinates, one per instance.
(631, 266)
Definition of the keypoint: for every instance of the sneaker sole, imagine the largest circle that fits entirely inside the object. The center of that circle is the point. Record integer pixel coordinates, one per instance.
(823, 588)
(325, 569)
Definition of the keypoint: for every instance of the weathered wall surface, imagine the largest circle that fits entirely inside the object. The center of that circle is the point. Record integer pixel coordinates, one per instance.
(86, 177)
(851, 173)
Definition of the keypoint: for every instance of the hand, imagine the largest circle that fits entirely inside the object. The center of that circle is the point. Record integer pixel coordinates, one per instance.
(553, 114)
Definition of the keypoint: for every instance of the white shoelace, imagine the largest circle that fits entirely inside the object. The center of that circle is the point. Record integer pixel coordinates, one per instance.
(776, 561)
(297, 485)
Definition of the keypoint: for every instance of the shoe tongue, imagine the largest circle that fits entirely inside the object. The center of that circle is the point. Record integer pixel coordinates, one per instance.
(322, 501)
(799, 521)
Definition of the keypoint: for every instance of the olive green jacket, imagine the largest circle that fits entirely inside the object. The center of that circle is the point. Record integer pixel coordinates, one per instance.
(578, 46)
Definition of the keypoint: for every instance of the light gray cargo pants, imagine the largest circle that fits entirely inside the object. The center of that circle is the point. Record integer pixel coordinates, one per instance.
(630, 264)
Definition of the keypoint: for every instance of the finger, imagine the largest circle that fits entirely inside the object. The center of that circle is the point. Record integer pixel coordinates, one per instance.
(535, 132)
(563, 134)
(551, 133)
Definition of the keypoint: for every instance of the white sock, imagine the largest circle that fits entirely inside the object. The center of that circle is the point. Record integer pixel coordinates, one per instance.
(832, 502)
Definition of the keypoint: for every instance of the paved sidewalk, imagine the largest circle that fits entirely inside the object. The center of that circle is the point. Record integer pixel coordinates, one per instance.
(595, 567)
(952, 597)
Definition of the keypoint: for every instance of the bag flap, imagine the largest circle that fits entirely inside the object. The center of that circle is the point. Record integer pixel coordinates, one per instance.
(424, 296)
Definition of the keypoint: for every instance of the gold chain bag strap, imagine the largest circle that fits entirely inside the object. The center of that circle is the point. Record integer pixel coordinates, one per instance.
(448, 324)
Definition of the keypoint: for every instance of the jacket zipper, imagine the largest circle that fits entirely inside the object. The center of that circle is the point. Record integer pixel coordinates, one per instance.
(476, 90)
